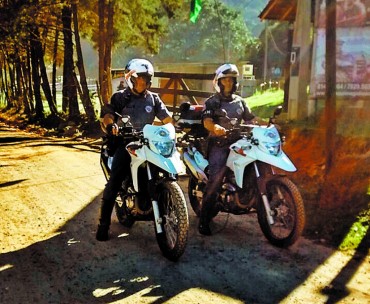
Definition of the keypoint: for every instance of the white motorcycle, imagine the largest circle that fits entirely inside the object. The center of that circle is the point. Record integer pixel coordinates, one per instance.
(251, 181)
(153, 194)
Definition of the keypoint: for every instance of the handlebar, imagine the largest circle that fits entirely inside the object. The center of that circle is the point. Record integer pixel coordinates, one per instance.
(129, 133)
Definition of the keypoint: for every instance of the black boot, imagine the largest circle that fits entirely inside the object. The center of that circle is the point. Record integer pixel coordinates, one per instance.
(102, 234)
(203, 226)
(205, 217)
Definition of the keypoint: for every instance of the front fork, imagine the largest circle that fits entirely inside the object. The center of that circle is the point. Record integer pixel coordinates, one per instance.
(261, 182)
(157, 217)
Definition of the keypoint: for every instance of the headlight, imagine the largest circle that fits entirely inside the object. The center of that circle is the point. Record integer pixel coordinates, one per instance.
(164, 148)
(273, 148)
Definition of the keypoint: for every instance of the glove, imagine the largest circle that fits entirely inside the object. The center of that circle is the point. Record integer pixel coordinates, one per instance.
(218, 130)
(110, 128)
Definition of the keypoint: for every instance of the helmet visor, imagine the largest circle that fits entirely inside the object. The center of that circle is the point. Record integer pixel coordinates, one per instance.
(230, 72)
(145, 76)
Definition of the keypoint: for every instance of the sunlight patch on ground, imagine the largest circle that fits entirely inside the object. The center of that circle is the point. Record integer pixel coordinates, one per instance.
(142, 296)
(355, 235)
(123, 235)
(5, 267)
(101, 292)
(202, 296)
(72, 241)
(139, 279)
(320, 279)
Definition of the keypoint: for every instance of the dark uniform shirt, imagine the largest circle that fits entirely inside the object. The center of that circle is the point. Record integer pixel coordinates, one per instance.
(141, 108)
(234, 106)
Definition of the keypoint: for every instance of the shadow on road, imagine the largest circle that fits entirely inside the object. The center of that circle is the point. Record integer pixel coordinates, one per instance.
(235, 265)
(72, 267)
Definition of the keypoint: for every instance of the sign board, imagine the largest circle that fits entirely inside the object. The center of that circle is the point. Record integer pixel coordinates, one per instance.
(247, 69)
(353, 63)
(352, 51)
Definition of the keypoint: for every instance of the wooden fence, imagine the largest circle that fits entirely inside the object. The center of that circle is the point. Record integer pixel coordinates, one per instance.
(174, 84)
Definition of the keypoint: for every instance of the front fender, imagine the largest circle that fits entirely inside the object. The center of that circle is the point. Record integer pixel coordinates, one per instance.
(282, 161)
(172, 164)
(237, 163)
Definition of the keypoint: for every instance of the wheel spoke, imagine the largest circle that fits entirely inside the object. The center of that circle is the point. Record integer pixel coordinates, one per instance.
(282, 205)
(287, 209)
(170, 220)
(175, 223)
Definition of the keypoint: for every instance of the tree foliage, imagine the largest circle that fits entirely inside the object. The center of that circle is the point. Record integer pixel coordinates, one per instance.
(34, 39)
(134, 23)
(219, 34)
(29, 32)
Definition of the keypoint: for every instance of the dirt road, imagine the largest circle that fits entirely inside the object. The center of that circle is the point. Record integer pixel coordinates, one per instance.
(50, 192)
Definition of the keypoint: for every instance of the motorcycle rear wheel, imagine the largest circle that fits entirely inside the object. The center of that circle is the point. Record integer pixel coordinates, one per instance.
(196, 202)
(175, 220)
(288, 212)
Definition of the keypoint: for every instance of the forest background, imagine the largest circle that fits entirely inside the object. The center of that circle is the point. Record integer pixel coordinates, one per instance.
(79, 41)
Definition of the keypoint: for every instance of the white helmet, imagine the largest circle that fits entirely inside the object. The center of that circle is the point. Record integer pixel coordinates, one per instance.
(226, 70)
(138, 67)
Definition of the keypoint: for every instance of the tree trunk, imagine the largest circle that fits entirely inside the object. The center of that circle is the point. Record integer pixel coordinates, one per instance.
(330, 77)
(325, 201)
(4, 80)
(101, 49)
(39, 107)
(45, 81)
(108, 48)
(85, 97)
(21, 90)
(54, 72)
(25, 89)
(11, 83)
(69, 86)
(29, 81)
(287, 68)
(105, 48)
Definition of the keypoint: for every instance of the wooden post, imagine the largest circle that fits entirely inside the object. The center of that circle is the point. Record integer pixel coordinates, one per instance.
(330, 78)
(300, 62)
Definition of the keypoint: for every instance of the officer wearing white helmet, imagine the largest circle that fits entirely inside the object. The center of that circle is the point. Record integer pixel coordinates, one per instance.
(233, 106)
(143, 107)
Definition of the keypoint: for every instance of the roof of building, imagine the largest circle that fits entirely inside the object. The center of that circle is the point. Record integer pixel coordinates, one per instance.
(282, 10)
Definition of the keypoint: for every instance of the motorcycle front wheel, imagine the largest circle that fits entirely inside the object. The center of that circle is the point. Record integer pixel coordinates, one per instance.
(175, 220)
(287, 211)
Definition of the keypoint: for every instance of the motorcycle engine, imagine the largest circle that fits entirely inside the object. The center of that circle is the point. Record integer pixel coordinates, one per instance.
(236, 200)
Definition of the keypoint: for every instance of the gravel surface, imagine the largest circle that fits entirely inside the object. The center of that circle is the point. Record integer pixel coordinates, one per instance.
(50, 191)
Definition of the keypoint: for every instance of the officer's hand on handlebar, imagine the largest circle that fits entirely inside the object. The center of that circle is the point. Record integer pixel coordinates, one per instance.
(219, 131)
(112, 129)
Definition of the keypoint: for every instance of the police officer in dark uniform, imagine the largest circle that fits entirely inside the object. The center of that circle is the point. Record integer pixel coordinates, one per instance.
(234, 107)
(142, 106)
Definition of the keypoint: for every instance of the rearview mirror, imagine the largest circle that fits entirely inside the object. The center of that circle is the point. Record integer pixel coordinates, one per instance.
(278, 111)
(125, 119)
(233, 121)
